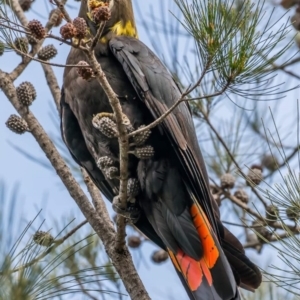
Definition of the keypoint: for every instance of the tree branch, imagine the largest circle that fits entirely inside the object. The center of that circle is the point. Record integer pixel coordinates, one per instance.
(20, 14)
(122, 138)
(61, 7)
(181, 99)
(17, 9)
(232, 157)
(275, 238)
(121, 260)
(53, 84)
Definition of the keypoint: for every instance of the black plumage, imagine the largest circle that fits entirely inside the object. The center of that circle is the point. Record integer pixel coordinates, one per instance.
(173, 182)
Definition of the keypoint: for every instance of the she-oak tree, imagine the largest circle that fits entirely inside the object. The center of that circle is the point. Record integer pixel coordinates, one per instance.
(241, 70)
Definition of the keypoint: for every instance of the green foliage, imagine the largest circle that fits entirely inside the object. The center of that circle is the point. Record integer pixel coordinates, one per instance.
(229, 45)
(8, 19)
(286, 196)
(236, 46)
(67, 265)
(239, 44)
(267, 291)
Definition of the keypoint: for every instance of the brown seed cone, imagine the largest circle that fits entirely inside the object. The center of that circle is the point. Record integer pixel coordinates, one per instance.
(159, 256)
(32, 89)
(254, 177)
(57, 21)
(111, 173)
(133, 187)
(25, 4)
(26, 93)
(21, 44)
(270, 162)
(36, 29)
(227, 181)
(85, 72)
(241, 195)
(101, 14)
(293, 213)
(145, 152)
(288, 3)
(43, 238)
(140, 138)
(107, 126)
(134, 241)
(104, 162)
(251, 238)
(68, 31)
(16, 124)
(47, 52)
(272, 212)
(262, 232)
(31, 40)
(81, 27)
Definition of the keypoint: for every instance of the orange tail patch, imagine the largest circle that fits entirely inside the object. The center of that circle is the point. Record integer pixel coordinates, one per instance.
(211, 252)
(192, 270)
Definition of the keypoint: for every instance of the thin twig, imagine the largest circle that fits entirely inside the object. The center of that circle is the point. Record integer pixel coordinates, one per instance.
(17, 9)
(164, 115)
(61, 7)
(283, 68)
(84, 290)
(13, 28)
(122, 138)
(64, 41)
(50, 249)
(240, 225)
(275, 225)
(285, 161)
(244, 206)
(181, 99)
(25, 62)
(206, 117)
(28, 55)
(61, 240)
(274, 238)
(98, 35)
(288, 72)
(52, 84)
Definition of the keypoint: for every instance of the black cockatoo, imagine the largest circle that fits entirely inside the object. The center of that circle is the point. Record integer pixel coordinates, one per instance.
(176, 209)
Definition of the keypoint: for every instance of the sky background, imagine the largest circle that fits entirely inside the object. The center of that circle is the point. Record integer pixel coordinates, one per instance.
(39, 187)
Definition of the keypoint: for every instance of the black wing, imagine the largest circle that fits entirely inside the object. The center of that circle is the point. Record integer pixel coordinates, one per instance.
(157, 89)
(74, 140)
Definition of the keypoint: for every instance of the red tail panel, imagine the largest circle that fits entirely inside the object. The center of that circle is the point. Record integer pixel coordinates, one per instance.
(190, 269)
(205, 278)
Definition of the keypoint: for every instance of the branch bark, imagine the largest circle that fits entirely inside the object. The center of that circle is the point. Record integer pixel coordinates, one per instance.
(52, 84)
(118, 244)
(123, 142)
(121, 260)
